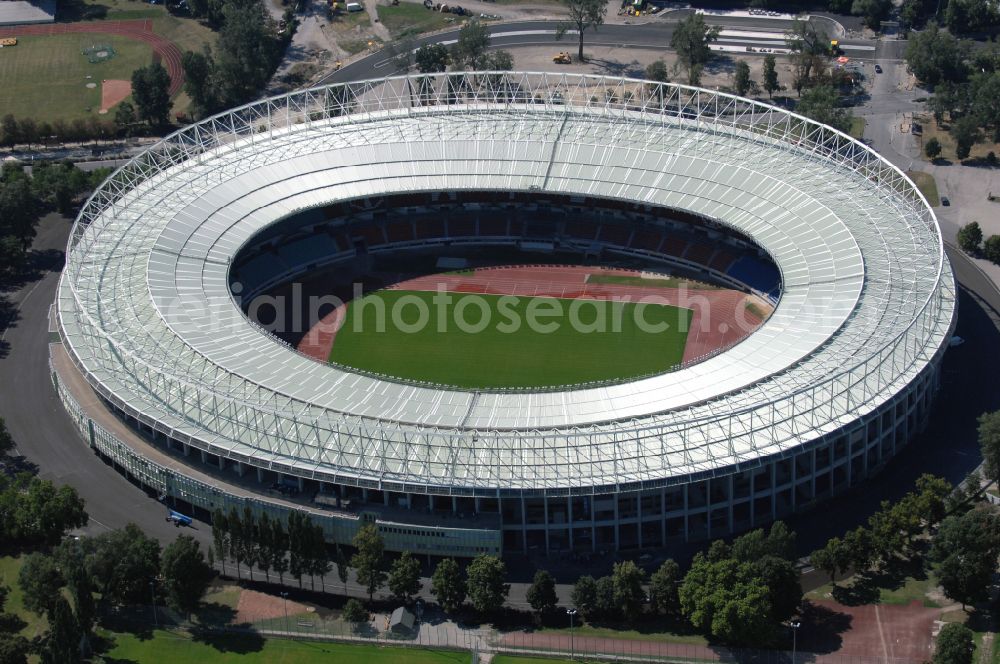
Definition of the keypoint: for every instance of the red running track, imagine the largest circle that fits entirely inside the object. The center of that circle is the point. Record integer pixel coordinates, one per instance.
(137, 29)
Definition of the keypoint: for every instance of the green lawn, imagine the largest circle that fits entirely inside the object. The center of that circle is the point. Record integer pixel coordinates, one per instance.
(486, 341)
(630, 635)
(45, 78)
(927, 185)
(9, 569)
(857, 129)
(408, 19)
(248, 649)
(911, 590)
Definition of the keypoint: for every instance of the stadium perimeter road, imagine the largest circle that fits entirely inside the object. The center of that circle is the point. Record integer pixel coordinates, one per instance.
(46, 437)
(655, 34)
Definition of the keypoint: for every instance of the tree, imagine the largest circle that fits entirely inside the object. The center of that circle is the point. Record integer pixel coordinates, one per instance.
(808, 48)
(657, 71)
(19, 211)
(343, 567)
(198, 83)
(470, 49)
(541, 593)
(991, 250)
(297, 544)
(246, 54)
(404, 577)
(954, 645)
(970, 16)
(663, 588)
(40, 581)
(6, 440)
(833, 558)
(604, 591)
(368, 561)
(151, 93)
(584, 596)
(485, 583)
(965, 132)
(62, 643)
(692, 40)
(873, 12)
(13, 646)
(581, 16)
(448, 586)
(431, 58)
(220, 536)
(319, 563)
(353, 612)
(628, 579)
(779, 541)
(821, 104)
(123, 563)
(185, 574)
(989, 423)
(770, 77)
(727, 600)
(263, 534)
(932, 148)
(279, 549)
(966, 547)
(784, 589)
(935, 56)
(741, 80)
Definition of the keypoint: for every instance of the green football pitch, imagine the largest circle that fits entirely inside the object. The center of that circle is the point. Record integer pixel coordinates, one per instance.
(486, 341)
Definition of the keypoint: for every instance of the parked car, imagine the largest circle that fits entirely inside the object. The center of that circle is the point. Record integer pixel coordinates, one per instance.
(944, 201)
(878, 69)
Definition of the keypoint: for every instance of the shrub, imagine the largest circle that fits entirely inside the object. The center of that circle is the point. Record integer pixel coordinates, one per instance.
(991, 249)
(932, 149)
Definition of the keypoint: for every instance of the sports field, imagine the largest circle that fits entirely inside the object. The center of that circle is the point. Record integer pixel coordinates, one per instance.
(478, 340)
(45, 77)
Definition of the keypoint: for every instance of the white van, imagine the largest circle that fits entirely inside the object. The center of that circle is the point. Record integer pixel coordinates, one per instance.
(355, 7)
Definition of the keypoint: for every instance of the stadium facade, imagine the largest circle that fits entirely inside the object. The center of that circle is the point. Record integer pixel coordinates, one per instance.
(168, 379)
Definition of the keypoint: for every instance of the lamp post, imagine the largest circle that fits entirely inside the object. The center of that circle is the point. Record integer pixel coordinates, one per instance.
(572, 650)
(152, 592)
(284, 602)
(795, 630)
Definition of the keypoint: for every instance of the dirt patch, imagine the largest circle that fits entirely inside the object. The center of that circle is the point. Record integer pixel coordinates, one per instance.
(113, 92)
(254, 606)
(889, 632)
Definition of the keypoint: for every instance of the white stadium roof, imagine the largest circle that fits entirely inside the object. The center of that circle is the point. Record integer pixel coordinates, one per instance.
(867, 298)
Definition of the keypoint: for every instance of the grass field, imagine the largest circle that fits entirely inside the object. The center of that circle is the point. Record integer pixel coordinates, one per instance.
(642, 634)
(500, 353)
(9, 569)
(927, 185)
(247, 649)
(408, 19)
(45, 78)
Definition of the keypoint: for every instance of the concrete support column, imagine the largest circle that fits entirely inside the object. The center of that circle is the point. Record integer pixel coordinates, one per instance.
(617, 521)
(302, 483)
(454, 504)
(186, 449)
(687, 521)
(774, 491)
(260, 475)
(430, 501)
(524, 527)
(240, 468)
(204, 456)
(732, 499)
(663, 516)
(385, 498)
(569, 519)
(222, 462)
(638, 511)
(545, 518)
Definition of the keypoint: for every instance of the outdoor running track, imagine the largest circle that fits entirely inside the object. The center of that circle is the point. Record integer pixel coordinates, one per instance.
(719, 317)
(139, 29)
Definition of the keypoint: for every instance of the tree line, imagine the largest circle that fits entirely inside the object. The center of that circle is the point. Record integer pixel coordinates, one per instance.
(24, 198)
(249, 50)
(965, 82)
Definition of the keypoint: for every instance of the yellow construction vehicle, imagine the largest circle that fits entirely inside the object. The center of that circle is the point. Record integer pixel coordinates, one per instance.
(562, 58)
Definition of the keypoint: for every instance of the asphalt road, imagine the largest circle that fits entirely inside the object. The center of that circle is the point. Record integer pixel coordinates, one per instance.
(653, 35)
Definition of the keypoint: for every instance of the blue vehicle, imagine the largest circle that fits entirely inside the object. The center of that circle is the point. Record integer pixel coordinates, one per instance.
(179, 519)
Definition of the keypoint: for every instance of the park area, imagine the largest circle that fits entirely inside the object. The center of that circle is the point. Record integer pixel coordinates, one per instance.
(50, 77)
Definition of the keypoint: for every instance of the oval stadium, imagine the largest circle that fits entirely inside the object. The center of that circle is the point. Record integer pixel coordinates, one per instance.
(799, 277)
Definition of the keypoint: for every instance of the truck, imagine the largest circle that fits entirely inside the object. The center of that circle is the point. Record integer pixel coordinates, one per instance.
(178, 519)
